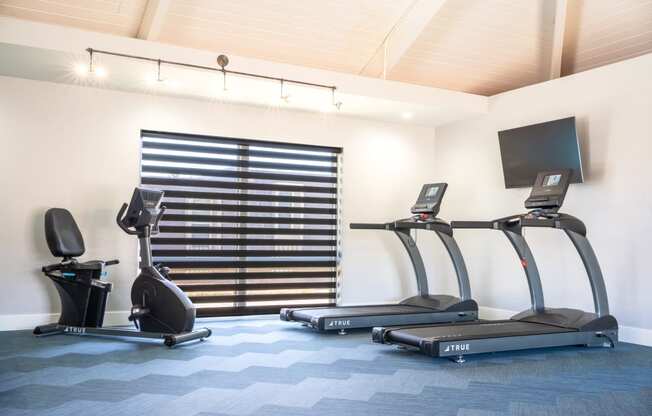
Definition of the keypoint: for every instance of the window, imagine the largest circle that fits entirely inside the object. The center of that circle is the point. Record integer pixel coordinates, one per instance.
(251, 226)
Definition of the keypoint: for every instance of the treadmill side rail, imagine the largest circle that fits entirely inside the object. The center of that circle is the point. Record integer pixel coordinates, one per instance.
(514, 343)
(353, 322)
(461, 346)
(337, 322)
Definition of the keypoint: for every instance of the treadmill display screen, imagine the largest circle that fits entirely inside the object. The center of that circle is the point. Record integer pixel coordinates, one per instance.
(429, 199)
(552, 180)
(432, 192)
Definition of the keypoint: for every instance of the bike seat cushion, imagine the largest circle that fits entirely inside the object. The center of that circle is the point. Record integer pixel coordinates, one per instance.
(62, 233)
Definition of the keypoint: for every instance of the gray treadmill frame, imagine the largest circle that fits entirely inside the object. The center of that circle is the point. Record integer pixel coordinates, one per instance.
(402, 229)
(460, 348)
(512, 228)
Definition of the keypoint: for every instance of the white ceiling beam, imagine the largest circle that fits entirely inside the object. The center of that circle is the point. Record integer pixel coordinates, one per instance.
(559, 32)
(401, 37)
(153, 18)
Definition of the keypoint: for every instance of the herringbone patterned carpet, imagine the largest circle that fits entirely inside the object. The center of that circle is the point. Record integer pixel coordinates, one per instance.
(267, 367)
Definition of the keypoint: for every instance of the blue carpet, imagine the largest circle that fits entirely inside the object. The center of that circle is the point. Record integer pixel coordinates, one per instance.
(262, 366)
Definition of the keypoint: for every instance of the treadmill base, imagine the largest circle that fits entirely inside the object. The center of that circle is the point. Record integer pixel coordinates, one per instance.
(454, 342)
(342, 319)
(479, 346)
(552, 327)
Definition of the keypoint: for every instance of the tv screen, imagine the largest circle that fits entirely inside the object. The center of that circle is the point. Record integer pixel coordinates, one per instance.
(526, 151)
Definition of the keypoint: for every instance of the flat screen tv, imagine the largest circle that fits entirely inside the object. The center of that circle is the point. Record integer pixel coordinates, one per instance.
(526, 151)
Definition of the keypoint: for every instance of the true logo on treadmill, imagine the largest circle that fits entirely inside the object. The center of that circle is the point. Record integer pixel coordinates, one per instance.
(340, 323)
(457, 348)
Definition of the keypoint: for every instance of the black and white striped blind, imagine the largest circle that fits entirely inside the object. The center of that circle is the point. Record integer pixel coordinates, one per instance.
(251, 226)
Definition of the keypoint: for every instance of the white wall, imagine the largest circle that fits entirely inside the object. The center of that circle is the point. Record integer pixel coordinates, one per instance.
(78, 148)
(613, 106)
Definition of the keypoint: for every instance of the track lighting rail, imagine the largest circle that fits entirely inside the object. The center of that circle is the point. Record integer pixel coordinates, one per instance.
(222, 61)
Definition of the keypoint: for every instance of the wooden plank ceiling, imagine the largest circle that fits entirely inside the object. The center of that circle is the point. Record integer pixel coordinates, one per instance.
(477, 46)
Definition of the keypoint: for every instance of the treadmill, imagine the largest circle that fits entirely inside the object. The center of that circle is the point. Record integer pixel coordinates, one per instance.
(539, 326)
(423, 308)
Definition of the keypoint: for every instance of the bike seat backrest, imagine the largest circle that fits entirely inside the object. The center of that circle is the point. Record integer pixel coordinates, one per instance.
(62, 233)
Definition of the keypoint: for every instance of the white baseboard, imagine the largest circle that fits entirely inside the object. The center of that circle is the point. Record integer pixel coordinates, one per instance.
(634, 335)
(29, 321)
(631, 334)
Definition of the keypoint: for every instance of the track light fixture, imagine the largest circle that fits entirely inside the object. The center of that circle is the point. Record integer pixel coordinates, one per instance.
(222, 62)
(224, 81)
(158, 71)
(284, 97)
(336, 104)
(91, 69)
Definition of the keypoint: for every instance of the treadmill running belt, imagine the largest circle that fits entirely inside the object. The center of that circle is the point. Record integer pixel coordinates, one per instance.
(343, 312)
(476, 330)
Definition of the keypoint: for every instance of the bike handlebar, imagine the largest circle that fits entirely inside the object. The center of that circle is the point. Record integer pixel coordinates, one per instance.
(120, 220)
(155, 228)
(51, 268)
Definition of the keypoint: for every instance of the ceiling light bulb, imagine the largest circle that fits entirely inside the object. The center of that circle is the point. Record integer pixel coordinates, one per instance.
(327, 108)
(81, 70)
(337, 104)
(100, 72)
(407, 115)
(153, 80)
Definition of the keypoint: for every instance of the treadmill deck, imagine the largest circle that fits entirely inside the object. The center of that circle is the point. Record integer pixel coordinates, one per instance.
(351, 311)
(456, 340)
(475, 330)
(341, 318)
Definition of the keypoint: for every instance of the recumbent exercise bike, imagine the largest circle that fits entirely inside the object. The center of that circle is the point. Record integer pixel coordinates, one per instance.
(160, 309)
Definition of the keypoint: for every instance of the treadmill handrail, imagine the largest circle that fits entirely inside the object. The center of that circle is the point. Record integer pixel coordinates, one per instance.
(371, 226)
(459, 265)
(401, 229)
(593, 271)
(511, 227)
(416, 259)
(473, 224)
(435, 224)
(529, 265)
(574, 229)
(559, 220)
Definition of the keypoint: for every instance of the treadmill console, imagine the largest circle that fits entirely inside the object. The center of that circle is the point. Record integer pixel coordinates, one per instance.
(549, 190)
(429, 199)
